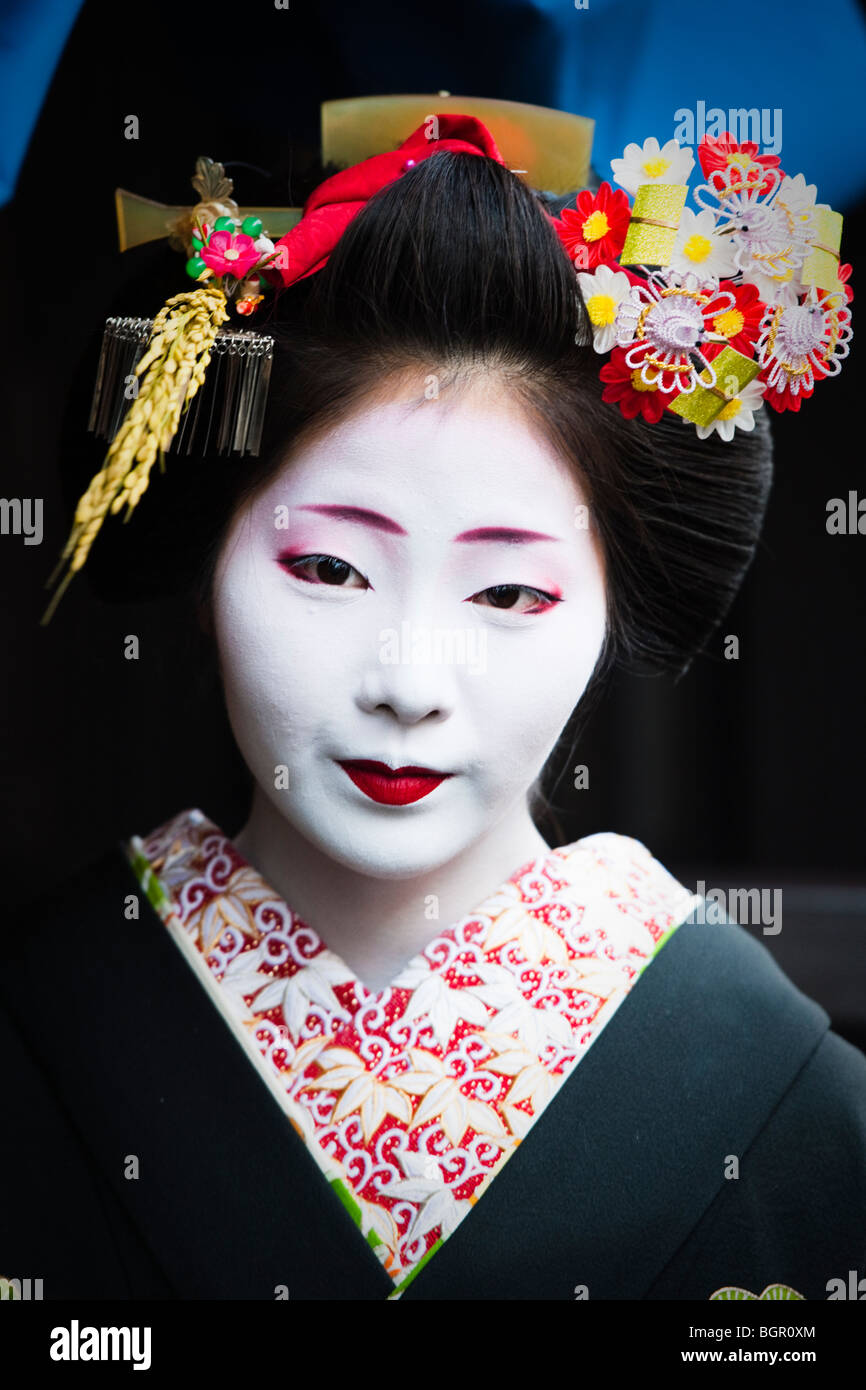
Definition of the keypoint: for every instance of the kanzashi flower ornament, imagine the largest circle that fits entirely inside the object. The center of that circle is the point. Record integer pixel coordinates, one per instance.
(711, 313)
(803, 341)
(595, 230)
(664, 324)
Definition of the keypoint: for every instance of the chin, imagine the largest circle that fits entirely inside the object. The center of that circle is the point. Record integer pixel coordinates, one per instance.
(385, 847)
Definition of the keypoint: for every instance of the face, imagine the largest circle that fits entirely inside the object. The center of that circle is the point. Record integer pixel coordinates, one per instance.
(418, 588)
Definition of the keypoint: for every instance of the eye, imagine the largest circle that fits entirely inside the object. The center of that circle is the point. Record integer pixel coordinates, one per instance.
(324, 569)
(509, 597)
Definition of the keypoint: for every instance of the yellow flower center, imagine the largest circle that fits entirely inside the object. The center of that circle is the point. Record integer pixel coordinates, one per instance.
(697, 248)
(601, 309)
(654, 168)
(731, 409)
(739, 159)
(595, 227)
(231, 255)
(639, 385)
(729, 324)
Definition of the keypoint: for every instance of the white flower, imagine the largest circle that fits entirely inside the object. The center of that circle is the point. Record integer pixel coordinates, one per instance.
(650, 164)
(699, 247)
(739, 413)
(536, 1028)
(425, 1187)
(796, 194)
(303, 991)
(603, 292)
(434, 999)
(263, 245)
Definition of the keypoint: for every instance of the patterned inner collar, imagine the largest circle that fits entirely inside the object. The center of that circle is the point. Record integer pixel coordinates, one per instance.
(412, 1099)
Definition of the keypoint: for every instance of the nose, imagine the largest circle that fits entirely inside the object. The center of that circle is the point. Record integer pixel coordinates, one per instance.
(407, 679)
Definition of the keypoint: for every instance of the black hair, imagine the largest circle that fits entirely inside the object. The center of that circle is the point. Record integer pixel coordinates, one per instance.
(455, 267)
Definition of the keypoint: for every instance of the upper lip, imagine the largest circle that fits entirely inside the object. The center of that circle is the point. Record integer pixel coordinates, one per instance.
(412, 770)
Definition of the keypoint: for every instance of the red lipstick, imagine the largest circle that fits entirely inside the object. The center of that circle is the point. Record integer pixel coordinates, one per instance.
(392, 786)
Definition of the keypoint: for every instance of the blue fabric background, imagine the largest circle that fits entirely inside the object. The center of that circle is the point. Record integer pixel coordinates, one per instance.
(629, 65)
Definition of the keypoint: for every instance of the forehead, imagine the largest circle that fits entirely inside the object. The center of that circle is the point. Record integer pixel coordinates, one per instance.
(472, 449)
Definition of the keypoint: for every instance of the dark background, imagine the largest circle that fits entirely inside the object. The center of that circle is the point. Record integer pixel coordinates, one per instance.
(744, 773)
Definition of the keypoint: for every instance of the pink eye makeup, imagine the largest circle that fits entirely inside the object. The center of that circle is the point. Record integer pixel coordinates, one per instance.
(322, 569)
(505, 598)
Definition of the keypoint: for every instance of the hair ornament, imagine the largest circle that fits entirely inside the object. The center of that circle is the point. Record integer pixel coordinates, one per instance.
(709, 313)
(150, 371)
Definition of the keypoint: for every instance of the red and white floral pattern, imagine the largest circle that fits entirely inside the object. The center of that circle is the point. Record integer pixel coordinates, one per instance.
(412, 1099)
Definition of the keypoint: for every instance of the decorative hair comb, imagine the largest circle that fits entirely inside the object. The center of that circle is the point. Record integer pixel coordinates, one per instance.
(741, 302)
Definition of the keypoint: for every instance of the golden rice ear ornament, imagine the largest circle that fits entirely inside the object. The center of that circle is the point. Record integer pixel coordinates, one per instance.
(149, 373)
(171, 372)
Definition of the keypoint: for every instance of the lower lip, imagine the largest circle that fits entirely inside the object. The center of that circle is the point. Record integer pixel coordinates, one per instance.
(393, 790)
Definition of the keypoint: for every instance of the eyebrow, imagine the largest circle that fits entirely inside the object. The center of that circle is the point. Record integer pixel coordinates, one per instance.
(364, 517)
(360, 514)
(513, 534)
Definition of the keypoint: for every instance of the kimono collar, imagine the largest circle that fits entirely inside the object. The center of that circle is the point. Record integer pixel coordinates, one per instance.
(412, 1099)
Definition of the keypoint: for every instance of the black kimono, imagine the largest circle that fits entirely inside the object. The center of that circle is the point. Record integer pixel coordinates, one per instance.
(711, 1139)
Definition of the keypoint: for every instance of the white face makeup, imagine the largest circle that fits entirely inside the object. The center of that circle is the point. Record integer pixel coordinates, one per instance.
(355, 621)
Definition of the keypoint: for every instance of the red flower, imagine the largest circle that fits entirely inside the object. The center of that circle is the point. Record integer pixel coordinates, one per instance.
(720, 152)
(785, 399)
(844, 273)
(626, 390)
(740, 324)
(230, 253)
(596, 230)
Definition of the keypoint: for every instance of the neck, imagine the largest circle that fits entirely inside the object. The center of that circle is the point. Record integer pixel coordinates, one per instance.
(376, 925)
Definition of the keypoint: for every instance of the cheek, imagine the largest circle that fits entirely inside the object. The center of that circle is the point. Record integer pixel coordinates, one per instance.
(281, 678)
(256, 659)
(524, 708)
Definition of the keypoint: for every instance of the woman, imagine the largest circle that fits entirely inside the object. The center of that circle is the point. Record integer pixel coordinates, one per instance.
(386, 1041)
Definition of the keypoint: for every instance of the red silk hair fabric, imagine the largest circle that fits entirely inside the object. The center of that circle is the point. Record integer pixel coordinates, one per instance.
(331, 207)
